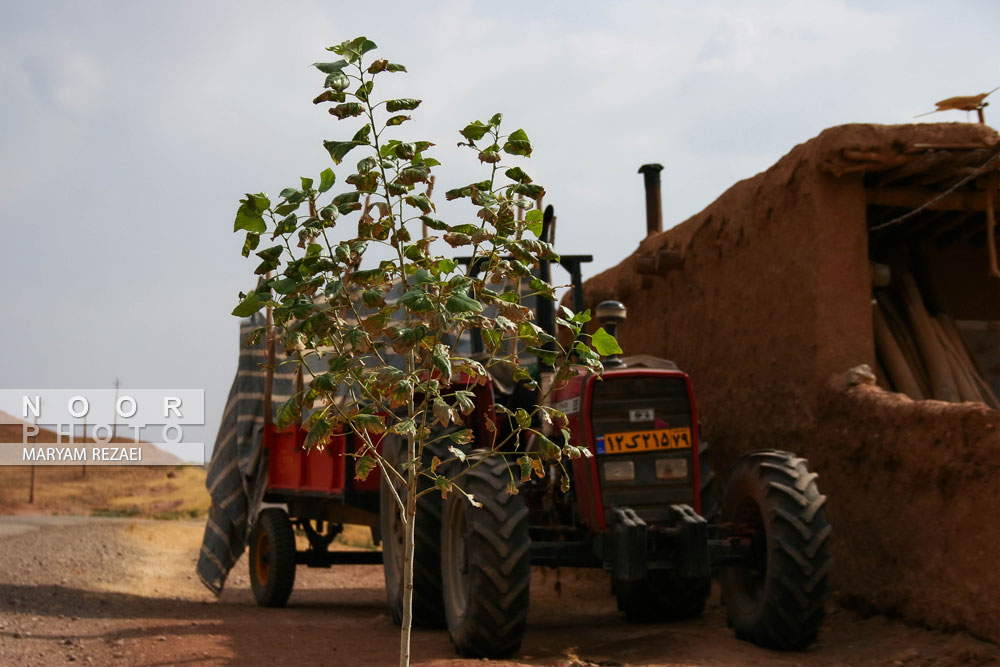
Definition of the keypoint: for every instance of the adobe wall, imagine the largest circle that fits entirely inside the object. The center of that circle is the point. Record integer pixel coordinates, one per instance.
(771, 308)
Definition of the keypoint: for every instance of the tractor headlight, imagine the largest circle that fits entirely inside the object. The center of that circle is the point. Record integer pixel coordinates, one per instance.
(619, 471)
(671, 468)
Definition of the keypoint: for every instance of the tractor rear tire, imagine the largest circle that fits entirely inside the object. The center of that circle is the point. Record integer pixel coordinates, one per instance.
(486, 564)
(709, 505)
(428, 605)
(663, 596)
(777, 599)
(272, 558)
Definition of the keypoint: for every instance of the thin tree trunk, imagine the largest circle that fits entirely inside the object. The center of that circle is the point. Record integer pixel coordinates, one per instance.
(411, 512)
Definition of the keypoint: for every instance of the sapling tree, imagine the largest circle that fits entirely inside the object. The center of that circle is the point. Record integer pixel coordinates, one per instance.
(379, 331)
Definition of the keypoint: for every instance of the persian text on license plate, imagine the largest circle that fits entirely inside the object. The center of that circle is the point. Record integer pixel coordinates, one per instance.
(641, 441)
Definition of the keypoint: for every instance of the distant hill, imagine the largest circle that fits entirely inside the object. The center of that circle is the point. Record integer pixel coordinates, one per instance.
(11, 430)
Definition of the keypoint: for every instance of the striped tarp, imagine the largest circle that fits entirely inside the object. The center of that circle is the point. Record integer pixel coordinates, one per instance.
(237, 473)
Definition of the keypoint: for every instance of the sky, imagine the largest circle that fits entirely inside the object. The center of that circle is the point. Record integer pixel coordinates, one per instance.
(130, 130)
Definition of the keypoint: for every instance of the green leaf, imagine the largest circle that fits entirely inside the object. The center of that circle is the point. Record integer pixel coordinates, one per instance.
(413, 175)
(251, 242)
(524, 462)
(367, 182)
(496, 120)
(285, 285)
(461, 302)
(364, 90)
(442, 484)
(361, 136)
(318, 434)
(363, 466)
(330, 68)
(328, 96)
(518, 144)
(419, 201)
(326, 179)
(605, 343)
(442, 411)
(250, 305)
(288, 412)
(394, 67)
(491, 338)
(465, 400)
(337, 81)
(402, 104)
(346, 198)
(286, 208)
(440, 360)
(534, 223)
(523, 418)
(516, 174)
(463, 437)
(475, 130)
(405, 427)
(271, 254)
(307, 183)
(456, 240)
(529, 190)
(549, 449)
(347, 110)
(457, 193)
(353, 49)
(397, 120)
(368, 422)
(434, 223)
(416, 299)
(338, 149)
(250, 214)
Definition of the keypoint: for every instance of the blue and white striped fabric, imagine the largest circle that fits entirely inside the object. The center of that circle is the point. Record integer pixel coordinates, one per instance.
(237, 474)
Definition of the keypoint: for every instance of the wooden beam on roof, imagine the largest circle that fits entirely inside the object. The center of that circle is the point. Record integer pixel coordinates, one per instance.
(913, 198)
(918, 165)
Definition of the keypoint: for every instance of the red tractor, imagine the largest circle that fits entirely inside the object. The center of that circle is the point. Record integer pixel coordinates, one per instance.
(642, 507)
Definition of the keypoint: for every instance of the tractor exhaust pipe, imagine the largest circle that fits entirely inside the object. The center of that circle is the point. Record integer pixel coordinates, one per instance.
(654, 213)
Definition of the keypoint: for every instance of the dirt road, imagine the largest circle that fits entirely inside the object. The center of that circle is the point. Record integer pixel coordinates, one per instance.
(112, 591)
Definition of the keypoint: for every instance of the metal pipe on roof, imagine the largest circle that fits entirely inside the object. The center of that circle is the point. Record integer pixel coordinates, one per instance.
(654, 213)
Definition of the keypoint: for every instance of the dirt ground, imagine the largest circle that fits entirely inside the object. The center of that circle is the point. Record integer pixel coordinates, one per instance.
(124, 591)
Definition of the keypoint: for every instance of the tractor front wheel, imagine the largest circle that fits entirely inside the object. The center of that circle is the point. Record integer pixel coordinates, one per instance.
(775, 598)
(486, 564)
(272, 558)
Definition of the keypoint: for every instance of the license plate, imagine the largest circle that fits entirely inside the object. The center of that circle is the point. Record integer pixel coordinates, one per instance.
(643, 441)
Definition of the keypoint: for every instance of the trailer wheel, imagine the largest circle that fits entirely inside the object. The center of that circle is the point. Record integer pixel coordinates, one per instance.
(663, 596)
(486, 564)
(428, 605)
(776, 598)
(272, 558)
